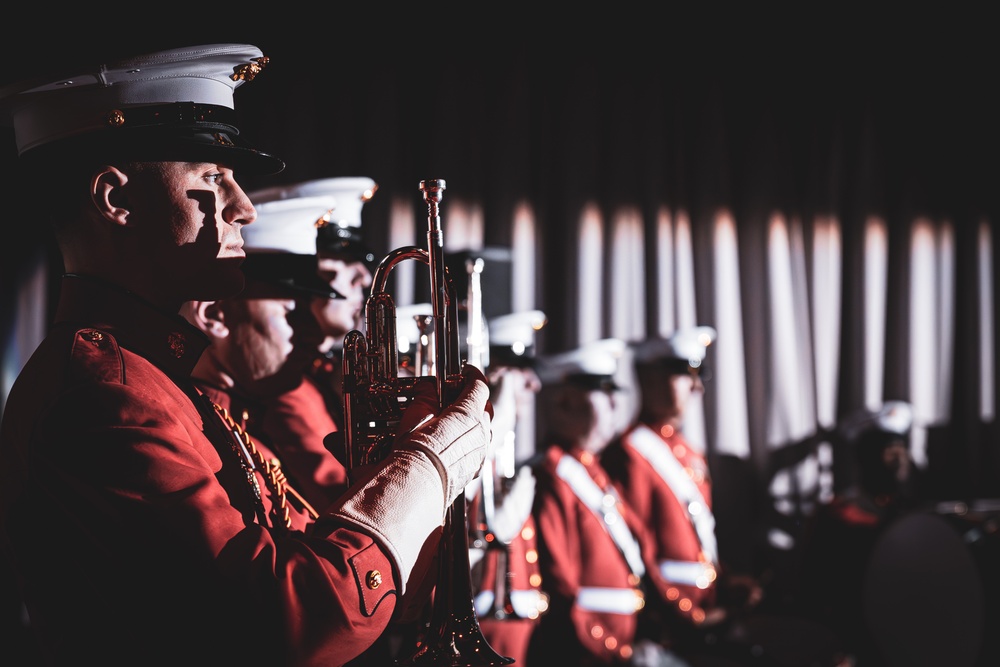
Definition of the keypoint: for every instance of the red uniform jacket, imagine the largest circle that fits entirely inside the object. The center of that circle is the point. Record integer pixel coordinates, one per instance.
(296, 423)
(650, 472)
(595, 594)
(133, 525)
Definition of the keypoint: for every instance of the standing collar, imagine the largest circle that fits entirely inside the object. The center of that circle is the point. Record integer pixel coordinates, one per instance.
(166, 339)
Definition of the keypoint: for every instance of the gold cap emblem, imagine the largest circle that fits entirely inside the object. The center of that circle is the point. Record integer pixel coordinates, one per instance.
(250, 70)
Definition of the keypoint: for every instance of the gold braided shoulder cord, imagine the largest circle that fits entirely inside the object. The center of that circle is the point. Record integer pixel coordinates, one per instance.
(274, 476)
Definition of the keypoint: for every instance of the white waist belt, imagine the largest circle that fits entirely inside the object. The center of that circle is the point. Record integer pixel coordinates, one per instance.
(526, 603)
(609, 600)
(691, 573)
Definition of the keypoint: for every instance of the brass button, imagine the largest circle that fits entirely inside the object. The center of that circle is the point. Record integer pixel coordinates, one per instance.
(94, 336)
(115, 118)
(373, 579)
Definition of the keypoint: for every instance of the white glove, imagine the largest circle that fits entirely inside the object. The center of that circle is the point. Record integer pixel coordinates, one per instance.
(509, 517)
(403, 501)
(456, 440)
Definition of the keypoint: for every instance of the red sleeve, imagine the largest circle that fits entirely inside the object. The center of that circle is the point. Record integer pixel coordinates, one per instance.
(130, 519)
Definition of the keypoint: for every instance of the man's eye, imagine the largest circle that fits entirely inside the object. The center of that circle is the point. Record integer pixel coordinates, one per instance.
(213, 178)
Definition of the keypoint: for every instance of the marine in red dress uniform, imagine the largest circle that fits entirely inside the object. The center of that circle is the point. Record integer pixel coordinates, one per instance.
(687, 557)
(664, 479)
(177, 542)
(142, 526)
(593, 551)
(711, 613)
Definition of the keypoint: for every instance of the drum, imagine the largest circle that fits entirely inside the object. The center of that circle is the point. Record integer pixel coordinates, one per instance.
(924, 598)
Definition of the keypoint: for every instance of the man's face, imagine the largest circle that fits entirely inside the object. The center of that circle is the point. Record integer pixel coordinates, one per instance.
(604, 418)
(585, 417)
(270, 343)
(896, 457)
(665, 395)
(192, 214)
(350, 278)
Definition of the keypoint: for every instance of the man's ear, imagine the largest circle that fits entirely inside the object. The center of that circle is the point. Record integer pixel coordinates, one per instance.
(107, 191)
(208, 316)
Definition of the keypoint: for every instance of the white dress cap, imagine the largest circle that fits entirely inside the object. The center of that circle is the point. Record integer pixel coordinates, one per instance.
(286, 225)
(186, 92)
(350, 193)
(516, 330)
(599, 359)
(689, 345)
(339, 229)
(894, 417)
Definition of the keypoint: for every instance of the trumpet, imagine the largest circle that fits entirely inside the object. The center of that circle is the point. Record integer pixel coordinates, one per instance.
(375, 397)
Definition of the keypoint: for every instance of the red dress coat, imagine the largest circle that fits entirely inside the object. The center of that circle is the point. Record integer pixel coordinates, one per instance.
(594, 592)
(296, 423)
(135, 530)
(687, 561)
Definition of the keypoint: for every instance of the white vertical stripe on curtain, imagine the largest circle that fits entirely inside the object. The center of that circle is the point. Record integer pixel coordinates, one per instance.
(875, 271)
(523, 262)
(791, 414)
(664, 272)
(932, 309)
(827, 257)
(728, 364)
(684, 288)
(628, 269)
(462, 225)
(791, 411)
(945, 298)
(628, 301)
(524, 278)
(987, 324)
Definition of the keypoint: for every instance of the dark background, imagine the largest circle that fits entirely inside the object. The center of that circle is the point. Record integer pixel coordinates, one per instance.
(753, 109)
(806, 109)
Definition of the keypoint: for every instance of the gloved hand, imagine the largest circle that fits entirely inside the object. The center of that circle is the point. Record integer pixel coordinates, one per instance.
(456, 440)
(402, 502)
(513, 511)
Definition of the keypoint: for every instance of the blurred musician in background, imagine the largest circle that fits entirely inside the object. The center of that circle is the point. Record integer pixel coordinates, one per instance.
(594, 552)
(707, 612)
(666, 480)
(503, 542)
(841, 536)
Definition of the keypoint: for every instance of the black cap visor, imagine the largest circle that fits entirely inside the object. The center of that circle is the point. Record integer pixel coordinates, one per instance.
(284, 276)
(591, 382)
(181, 132)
